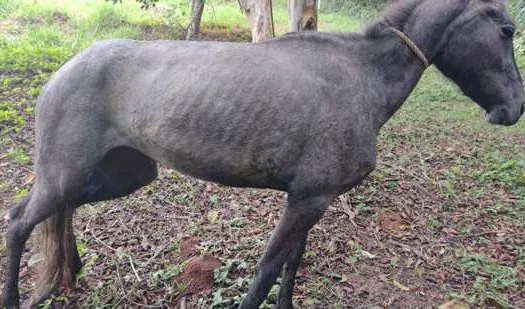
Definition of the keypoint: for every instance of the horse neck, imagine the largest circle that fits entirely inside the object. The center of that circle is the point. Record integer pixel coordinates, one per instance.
(395, 72)
(428, 26)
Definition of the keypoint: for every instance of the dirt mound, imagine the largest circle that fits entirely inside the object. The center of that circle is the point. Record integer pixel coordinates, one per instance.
(391, 222)
(198, 275)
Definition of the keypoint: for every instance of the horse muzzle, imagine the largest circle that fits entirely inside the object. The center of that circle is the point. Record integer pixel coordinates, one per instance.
(503, 115)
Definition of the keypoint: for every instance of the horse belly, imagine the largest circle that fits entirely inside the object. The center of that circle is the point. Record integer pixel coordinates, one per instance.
(225, 166)
(233, 160)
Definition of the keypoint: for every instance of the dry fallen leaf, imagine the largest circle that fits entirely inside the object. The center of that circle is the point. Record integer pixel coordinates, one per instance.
(400, 286)
(212, 216)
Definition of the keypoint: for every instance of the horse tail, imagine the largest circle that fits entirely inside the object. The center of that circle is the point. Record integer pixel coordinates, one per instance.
(60, 260)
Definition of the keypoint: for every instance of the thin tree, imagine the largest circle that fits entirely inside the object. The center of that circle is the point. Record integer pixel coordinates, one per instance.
(302, 15)
(260, 14)
(197, 7)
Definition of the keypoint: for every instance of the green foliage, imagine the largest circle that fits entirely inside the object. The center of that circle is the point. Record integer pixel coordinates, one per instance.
(169, 272)
(499, 169)
(107, 17)
(144, 4)
(7, 7)
(9, 116)
(491, 278)
(517, 9)
(43, 48)
(225, 284)
(21, 194)
(21, 156)
(357, 8)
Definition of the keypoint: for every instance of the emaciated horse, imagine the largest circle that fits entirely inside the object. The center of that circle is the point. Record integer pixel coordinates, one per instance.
(299, 114)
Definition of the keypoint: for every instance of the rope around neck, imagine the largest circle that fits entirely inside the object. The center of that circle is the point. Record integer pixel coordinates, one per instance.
(413, 47)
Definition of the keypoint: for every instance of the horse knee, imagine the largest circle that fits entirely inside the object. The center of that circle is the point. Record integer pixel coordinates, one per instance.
(15, 212)
(17, 234)
(19, 229)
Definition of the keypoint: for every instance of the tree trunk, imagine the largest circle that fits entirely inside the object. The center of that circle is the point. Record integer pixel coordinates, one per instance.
(302, 15)
(261, 16)
(197, 6)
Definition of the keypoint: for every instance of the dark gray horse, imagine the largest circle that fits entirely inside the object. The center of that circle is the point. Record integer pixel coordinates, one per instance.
(298, 114)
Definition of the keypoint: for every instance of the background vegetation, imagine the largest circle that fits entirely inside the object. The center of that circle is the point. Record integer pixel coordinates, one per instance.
(441, 219)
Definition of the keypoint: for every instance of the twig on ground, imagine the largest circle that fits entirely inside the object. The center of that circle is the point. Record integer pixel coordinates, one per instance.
(377, 238)
(183, 302)
(155, 255)
(133, 267)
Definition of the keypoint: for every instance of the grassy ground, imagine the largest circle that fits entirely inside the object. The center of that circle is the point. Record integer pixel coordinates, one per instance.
(442, 218)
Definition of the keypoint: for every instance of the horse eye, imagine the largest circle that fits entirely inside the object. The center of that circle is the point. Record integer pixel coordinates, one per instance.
(493, 14)
(508, 30)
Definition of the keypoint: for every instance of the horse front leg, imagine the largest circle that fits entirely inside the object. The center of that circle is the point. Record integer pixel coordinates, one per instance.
(284, 300)
(301, 213)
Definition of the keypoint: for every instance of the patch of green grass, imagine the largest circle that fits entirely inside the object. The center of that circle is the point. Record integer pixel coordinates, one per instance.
(45, 48)
(227, 14)
(358, 254)
(357, 9)
(11, 81)
(502, 169)
(21, 194)
(52, 31)
(107, 17)
(168, 272)
(491, 278)
(338, 22)
(7, 7)
(20, 156)
(38, 13)
(10, 118)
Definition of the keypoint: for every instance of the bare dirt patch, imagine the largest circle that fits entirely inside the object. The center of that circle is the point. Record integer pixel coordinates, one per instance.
(391, 222)
(198, 275)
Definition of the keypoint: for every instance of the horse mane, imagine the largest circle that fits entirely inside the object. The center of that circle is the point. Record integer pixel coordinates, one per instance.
(394, 16)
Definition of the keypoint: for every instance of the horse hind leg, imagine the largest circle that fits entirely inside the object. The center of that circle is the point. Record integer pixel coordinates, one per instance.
(120, 172)
(37, 206)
